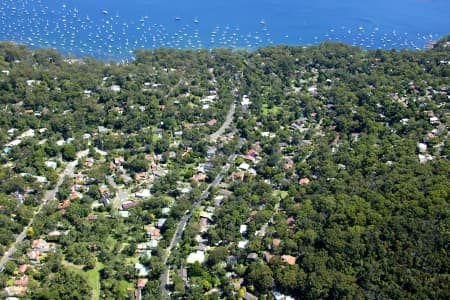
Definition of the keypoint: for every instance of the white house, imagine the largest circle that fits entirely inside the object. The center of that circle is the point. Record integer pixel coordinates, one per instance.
(51, 164)
(115, 88)
(245, 101)
(28, 133)
(244, 166)
(198, 256)
(243, 244)
(144, 193)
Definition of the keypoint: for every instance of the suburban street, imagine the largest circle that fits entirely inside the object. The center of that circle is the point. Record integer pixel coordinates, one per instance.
(121, 194)
(182, 224)
(228, 120)
(49, 196)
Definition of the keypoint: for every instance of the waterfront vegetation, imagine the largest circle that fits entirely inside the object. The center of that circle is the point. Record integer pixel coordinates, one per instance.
(339, 188)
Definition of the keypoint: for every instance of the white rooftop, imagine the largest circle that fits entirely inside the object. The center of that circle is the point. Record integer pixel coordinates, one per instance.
(144, 193)
(198, 256)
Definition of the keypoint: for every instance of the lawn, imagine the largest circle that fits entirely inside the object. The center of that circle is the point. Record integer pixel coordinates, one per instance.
(282, 194)
(92, 277)
(111, 242)
(266, 110)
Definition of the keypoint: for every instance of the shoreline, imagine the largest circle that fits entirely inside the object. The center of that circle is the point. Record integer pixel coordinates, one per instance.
(123, 60)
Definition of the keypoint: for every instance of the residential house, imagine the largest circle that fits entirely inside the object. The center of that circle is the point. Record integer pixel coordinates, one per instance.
(141, 270)
(115, 88)
(185, 190)
(153, 244)
(34, 256)
(119, 160)
(224, 192)
(155, 234)
(65, 204)
(22, 281)
(182, 272)
(92, 217)
(245, 101)
(252, 257)
(290, 260)
(141, 283)
(124, 213)
(198, 256)
(291, 222)
(244, 167)
(232, 260)
(252, 152)
(434, 120)
(104, 190)
(199, 177)
(102, 129)
(89, 162)
(238, 176)
(15, 291)
(161, 223)
(268, 256)
(243, 229)
(280, 296)
(160, 173)
(76, 195)
(211, 122)
(211, 151)
(144, 193)
(304, 181)
(142, 247)
(152, 232)
(243, 244)
(51, 164)
(288, 164)
(140, 176)
(129, 204)
(207, 215)
(276, 242)
(203, 224)
(42, 245)
(23, 268)
(58, 233)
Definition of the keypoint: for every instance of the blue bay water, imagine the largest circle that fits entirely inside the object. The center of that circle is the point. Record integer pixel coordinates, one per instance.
(111, 29)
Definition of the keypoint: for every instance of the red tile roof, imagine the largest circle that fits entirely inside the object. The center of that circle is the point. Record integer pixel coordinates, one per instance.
(64, 204)
(141, 282)
(23, 268)
(199, 177)
(22, 281)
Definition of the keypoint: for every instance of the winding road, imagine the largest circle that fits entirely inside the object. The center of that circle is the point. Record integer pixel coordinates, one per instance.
(48, 197)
